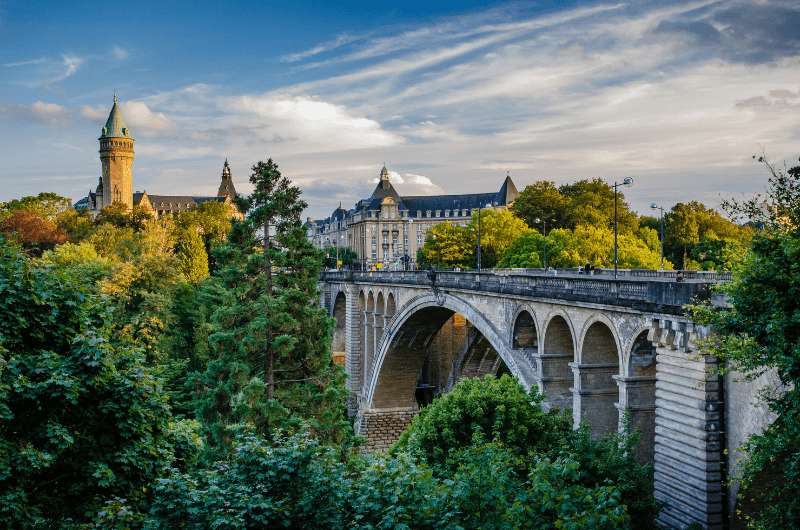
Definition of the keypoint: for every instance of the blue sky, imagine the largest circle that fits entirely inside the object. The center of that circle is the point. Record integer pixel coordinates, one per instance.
(450, 95)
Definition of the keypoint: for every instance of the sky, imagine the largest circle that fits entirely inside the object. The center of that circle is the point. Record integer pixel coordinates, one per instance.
(452, 96)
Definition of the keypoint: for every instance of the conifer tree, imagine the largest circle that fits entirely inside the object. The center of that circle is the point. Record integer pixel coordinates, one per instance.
(270, 363)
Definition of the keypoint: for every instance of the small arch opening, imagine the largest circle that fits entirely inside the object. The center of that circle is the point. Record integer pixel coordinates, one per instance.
(525, 335)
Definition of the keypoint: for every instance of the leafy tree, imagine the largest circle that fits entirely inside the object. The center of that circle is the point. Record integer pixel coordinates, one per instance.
(447, 245)
(81, 419)
(526, 251)
(488, 409)
(34, 232)
(346, 256)
(591, 202)
(192, 255)
(46, 204)
(76, 224)
(287, 483)
(690, 224)
(758, 333)
(541, 200)
(118, 214)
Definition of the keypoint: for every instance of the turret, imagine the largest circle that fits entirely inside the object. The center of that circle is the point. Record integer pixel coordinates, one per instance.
(116, 160)
(226, 188)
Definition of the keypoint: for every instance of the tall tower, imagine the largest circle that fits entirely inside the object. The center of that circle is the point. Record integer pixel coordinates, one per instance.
(226, 186)
(116, 160)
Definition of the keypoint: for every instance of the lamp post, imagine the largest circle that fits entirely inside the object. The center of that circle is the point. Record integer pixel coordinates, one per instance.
(544, 233)
(627, 182)
(480, 208)
(654, 206)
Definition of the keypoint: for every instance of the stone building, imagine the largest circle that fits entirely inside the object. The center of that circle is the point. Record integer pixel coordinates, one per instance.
(116, 179)
(386, 227)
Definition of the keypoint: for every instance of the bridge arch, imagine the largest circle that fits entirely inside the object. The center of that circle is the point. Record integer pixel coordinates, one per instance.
(525, 329)
(339, 339)
(596, 393)
(400, 355)
(554, 359)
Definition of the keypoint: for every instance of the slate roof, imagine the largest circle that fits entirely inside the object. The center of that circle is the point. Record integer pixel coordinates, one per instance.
(423, 203)
(115, 125)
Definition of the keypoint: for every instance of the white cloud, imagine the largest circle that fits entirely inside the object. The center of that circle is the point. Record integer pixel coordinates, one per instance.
(411, 184)
(305, 124)
(137, 114)
(49, 112)
(39, 111)
(119, 53)
(70, 64)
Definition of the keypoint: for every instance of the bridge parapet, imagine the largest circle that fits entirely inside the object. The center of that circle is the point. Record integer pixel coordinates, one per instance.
(652, 291)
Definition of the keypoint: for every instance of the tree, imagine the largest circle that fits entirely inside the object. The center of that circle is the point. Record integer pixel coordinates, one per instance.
(591, 203)
(46, 204)
(192, 255)
(345, 255)
(758, 333)
(690, 224)
(82, 420)
(270, 363)
(33, 231)
(447, 245)
(543, 201)
(119, 215)
(526, 251)
(568, 471)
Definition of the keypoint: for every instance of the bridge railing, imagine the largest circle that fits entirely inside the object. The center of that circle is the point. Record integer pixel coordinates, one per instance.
(628, 290)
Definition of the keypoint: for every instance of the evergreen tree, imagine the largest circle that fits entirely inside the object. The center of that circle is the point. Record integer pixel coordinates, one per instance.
(270, 364)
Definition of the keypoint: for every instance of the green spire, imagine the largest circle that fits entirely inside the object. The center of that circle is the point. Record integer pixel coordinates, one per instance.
(115, 124)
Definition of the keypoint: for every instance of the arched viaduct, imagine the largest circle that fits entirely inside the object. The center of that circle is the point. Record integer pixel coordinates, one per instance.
(608, 350)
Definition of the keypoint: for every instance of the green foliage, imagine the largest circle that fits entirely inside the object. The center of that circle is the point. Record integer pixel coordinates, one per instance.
(759, 333)
(585, 244)
(267, 322)
(46, 204)
(345, 255)
(487, 409)
(585, 202)
(559, 462)
(81, 418)
(700, 237)
(447, 245)
(118, 214)
(526, 251)
(289, 483)
(192, 255)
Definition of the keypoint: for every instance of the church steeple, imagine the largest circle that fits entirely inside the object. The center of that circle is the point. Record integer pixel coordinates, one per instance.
(116, 160)
(226, 188)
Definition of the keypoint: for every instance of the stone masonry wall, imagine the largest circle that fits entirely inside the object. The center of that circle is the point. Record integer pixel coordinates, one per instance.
(383, 427)
(688, 435)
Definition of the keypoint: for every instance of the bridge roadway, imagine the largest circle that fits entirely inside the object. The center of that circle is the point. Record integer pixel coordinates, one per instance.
(607, 349)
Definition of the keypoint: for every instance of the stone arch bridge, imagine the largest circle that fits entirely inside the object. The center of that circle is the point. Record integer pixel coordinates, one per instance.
(610, 350)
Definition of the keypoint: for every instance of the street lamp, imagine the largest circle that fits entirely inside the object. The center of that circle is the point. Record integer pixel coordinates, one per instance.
(488, 205)
(627, 182)
(654, 206)
(544, 233)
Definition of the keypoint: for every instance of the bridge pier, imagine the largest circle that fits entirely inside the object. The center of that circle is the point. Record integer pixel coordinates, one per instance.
(637, 401)
(689, 441)
(555, 379)
(595, 397)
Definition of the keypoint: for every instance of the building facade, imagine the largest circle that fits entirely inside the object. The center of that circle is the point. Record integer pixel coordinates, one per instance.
(115, 184)
(386, 227)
